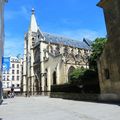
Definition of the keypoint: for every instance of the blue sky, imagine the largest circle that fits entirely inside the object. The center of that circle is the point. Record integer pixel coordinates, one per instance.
(71, 18)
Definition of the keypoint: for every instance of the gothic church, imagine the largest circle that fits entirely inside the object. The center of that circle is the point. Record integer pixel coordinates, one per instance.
(49, 59)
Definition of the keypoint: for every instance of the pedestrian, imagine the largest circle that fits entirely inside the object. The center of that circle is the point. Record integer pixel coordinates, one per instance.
(26, 94)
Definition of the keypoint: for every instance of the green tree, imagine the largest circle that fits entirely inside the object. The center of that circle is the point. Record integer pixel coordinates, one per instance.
(97, 49)
(75, 76)
(86, 79)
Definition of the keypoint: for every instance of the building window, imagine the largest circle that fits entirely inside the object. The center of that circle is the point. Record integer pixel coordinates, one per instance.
(8, 72)
(17, 77)
(13, 85)
(4, 72)
(17, 65)
(65, 50)
(54, 78)
(107, 74)
(18, 85)
(17, 71)
(33, 41)
(13, 65)
(7, 84)
(12, 77)
(3, 78)
(7, 78)
(57, 50)
(13, 71)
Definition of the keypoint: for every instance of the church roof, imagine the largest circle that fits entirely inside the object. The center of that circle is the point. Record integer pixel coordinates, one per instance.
(88, 42)
(55, 38)
(65, 41)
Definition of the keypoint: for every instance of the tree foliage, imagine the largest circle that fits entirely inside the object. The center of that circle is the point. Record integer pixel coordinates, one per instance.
(97, 49)
(81, 75)
(75, 76)
(86, 79)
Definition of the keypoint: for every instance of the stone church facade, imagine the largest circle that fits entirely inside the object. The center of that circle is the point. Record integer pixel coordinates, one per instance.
(109, 62)
(49, 59)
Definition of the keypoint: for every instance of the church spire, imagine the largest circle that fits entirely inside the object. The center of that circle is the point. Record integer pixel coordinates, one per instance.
(33, 23)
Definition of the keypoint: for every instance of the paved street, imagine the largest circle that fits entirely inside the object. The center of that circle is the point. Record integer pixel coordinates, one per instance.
(45, 108)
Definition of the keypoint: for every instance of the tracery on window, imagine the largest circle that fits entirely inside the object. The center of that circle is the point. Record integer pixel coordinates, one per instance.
(66, 51)
(57, 50)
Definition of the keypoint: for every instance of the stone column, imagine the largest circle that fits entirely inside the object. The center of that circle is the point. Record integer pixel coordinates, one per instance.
(42, 69)
(1, 42)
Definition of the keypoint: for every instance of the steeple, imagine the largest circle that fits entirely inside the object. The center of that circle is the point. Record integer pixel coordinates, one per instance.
(33, 23)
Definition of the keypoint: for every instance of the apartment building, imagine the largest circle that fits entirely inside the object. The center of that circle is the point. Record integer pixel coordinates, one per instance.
(11, 79)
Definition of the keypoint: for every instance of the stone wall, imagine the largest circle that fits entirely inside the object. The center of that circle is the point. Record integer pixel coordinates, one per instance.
(112, 98)
(109, 62)
(75, 96)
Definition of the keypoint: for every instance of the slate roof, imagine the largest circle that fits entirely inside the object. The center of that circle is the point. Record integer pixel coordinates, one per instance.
(88, 42)
(65, 41)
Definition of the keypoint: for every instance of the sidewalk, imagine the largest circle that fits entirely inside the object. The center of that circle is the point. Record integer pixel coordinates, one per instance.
(45, 108)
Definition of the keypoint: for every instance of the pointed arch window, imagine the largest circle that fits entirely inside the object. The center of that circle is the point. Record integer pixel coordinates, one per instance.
(33, 41)
(71, 69)
(107, 74)
(66, 50)
(54, 78)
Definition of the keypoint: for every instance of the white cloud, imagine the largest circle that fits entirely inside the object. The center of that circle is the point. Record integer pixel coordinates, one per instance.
(68, 21)
(13, 46)
(79, 34)
(25, 12)
(22, 11)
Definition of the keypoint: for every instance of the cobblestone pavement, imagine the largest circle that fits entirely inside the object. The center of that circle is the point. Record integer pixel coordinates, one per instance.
(45, 108)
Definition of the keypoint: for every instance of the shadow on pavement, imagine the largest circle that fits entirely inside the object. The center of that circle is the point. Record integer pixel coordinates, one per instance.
(89, 97)
(101, 102)
(111, 103)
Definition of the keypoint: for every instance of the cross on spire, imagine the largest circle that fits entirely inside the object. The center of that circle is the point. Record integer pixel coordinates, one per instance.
(33, 10)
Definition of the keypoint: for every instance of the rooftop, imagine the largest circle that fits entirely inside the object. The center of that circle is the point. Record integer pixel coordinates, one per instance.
(66, 41)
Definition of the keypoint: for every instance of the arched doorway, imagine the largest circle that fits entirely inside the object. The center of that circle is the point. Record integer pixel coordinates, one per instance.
(71, 69)
(54, 78)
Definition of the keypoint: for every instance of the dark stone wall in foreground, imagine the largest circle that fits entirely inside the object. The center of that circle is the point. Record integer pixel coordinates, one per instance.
(109, 62)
